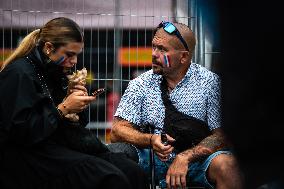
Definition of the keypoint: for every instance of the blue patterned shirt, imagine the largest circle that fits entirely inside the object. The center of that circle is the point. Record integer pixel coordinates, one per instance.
(197, 95)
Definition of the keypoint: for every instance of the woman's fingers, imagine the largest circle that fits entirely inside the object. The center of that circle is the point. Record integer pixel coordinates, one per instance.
(80, 87)
(77, 101)
(76, 90)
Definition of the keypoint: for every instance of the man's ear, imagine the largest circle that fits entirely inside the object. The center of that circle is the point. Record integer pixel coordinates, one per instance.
(184, 57)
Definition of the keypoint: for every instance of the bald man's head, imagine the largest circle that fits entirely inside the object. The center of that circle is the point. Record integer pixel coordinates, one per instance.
(186, 34)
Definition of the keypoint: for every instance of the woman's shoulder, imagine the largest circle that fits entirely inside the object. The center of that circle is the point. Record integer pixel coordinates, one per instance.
(19, 67)
(16, 75)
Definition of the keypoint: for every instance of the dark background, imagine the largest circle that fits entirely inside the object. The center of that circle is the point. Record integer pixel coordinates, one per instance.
(252, 74)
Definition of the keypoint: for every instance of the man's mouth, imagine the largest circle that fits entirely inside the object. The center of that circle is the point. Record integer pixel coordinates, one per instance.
(156, 63)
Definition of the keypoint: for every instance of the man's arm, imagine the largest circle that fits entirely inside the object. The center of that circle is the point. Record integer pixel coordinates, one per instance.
(176, 175)
(207, 146)
(123, 131)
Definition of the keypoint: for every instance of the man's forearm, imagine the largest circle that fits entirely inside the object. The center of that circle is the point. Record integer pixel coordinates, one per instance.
(123, 131)
(206, 147)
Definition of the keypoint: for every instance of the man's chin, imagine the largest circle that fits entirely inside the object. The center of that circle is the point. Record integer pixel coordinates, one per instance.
(157, 70)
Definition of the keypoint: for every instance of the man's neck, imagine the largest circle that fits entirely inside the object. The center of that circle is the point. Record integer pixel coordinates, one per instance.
(175, 78)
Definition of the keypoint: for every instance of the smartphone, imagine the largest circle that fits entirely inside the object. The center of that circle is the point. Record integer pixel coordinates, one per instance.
(98, 91)
(164, 138)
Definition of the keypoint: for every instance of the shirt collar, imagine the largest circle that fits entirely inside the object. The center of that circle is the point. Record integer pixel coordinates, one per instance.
(189, 72)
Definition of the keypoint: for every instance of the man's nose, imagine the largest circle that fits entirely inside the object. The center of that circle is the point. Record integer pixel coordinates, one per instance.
(155, 52)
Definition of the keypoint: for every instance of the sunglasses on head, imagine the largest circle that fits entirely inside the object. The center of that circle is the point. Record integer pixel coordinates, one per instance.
(171, 29)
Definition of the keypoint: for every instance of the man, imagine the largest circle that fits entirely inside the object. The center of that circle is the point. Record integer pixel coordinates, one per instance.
(194, 91)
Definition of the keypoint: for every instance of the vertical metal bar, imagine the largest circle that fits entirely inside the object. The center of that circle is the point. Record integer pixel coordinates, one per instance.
(137, 43)
(145, 32)
(27, 30)
(91, 53)
(153, 24)
(192, 23)
(19, 35)
(174, 10)
(152, 159)
(3, 36)
(106, 63)
(129, 41)
(52, 6)
(200, 37)
(83, 31)
(120, 68)
(121, 78)
(98, 62)
(11, 28)
(117, 72)
(201, 40)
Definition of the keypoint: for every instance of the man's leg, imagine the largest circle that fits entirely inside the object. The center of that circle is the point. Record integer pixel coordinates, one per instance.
(224, 172)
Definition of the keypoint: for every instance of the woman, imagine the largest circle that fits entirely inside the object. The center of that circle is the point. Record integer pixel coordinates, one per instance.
(39, 147)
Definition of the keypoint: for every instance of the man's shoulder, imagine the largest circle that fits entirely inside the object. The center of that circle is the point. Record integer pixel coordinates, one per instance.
(203, 73)
(146, 78)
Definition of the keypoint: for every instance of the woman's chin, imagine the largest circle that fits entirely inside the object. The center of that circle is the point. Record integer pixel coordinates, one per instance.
(67, 65)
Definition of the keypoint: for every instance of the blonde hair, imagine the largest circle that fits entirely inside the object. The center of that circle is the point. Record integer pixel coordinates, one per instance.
(59, 31)
(27, 44)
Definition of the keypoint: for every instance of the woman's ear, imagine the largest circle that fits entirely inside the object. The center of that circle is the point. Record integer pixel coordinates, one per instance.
(48, 48)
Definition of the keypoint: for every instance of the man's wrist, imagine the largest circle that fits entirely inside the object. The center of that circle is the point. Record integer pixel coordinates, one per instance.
(151, 140)
(188, 155)
(197, 153)
(184, 158)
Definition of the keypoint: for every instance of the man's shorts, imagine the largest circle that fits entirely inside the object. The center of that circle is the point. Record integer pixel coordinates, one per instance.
(196, 172)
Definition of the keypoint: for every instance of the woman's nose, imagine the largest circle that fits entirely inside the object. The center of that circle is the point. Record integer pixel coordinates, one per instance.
(73, 60)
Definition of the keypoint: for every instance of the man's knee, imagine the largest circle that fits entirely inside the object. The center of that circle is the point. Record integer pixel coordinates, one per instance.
(223, 165)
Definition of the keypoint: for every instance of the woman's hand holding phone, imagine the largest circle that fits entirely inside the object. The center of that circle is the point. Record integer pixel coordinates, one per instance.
(77, 101)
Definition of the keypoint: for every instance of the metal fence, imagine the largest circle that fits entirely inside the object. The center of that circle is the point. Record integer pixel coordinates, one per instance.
(118, 35)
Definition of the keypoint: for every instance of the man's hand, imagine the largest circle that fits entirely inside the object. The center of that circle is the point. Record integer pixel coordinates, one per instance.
(176, 175)
(162, 151)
